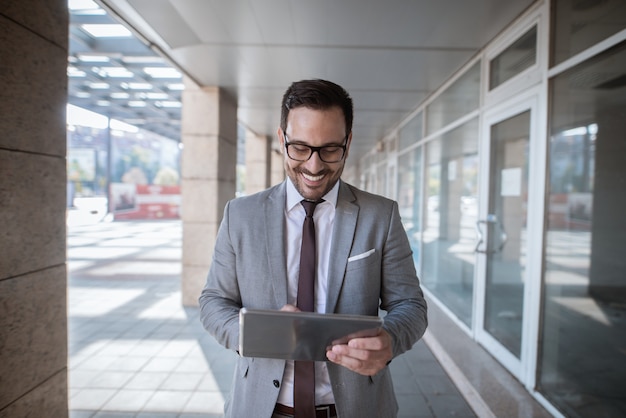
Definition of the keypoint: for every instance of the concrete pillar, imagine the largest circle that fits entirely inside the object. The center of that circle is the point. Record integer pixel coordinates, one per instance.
(277, 167)
(33, 283)
(258, 153)
(209, 136)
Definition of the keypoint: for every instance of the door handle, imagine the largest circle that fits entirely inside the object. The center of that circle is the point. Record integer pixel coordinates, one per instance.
(480, 237)
(490, 219)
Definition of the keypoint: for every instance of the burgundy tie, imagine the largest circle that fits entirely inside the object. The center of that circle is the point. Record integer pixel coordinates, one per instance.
(304, 371)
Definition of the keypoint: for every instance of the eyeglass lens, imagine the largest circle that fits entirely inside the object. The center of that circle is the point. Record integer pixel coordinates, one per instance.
(301, 152)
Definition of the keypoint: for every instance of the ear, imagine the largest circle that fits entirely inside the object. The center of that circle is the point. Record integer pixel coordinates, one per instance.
(281, 140)
(348, 142)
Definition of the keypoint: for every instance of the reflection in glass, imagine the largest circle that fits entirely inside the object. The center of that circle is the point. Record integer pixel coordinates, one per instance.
(580, 24)
(409, 197)
(505, 231)
(582, 361)
(459, 99)
(521, 55)
(450, 212)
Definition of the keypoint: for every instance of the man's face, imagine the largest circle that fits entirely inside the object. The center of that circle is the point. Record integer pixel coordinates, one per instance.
(317, 128)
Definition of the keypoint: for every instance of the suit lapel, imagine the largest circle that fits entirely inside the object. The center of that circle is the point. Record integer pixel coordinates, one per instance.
(346, 215)
(274, 227)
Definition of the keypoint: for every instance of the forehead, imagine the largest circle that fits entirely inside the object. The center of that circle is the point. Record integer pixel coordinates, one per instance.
(306, 123)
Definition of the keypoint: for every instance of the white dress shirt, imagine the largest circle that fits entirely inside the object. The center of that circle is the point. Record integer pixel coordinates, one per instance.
(323, 217)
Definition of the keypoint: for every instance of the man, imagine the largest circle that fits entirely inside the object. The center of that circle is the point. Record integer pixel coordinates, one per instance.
(363, 263)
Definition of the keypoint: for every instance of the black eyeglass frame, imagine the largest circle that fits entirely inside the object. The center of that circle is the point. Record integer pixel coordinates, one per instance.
(316, 149)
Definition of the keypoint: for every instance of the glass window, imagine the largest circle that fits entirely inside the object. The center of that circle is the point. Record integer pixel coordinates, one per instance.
(366, 173)
(409, 196)
(450, 214)
(460, 98)
(381, 179)
(367, 181)
(411, 132)
(578, 25)
(522, 54)
(381, 154)
(582, 362)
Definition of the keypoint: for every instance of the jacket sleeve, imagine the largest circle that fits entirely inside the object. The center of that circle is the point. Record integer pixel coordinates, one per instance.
(220, 300)
(401, 294)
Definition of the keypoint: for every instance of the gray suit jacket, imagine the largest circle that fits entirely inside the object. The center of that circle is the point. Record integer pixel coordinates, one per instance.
(249, 269)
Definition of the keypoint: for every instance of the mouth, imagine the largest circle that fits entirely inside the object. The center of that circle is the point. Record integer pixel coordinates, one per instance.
(312, 179)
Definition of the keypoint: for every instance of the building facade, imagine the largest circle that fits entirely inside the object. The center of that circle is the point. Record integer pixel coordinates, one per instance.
(511, 183)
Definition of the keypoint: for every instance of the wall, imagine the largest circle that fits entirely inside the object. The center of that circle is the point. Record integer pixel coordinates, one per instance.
(33, 324)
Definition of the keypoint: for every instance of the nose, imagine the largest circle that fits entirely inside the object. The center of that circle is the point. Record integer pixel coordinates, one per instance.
(315, 163)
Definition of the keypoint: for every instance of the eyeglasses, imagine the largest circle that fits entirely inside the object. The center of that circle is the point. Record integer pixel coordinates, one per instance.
(328, 153)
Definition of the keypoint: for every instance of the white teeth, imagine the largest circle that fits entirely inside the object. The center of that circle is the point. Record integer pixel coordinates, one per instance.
(313, 178)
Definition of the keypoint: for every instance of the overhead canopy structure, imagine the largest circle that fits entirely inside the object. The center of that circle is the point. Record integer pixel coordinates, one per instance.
(113, 72)
(390, 55)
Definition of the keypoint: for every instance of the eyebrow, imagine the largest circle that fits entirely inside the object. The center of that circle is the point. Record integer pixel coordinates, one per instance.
(296, 141)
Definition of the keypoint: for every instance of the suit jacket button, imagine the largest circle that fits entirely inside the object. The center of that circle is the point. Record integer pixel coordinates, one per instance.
(276, 384)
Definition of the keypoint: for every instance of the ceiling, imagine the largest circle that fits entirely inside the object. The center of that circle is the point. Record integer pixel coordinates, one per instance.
(108, 75)
(390, 55)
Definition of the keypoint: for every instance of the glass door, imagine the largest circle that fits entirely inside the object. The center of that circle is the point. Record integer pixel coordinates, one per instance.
(505, 226)
(502, 231)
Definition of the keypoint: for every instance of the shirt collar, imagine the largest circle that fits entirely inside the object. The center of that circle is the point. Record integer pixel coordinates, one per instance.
(294, 198)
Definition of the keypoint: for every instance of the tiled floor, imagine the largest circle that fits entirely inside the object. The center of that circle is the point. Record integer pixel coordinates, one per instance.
(135, 351)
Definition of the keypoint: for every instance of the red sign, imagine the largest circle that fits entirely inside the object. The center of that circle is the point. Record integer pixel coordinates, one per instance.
(136, 201)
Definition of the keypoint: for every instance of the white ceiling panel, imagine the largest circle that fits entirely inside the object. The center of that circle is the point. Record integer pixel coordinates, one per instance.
(221, 22)
(387, 99)
(166, 21)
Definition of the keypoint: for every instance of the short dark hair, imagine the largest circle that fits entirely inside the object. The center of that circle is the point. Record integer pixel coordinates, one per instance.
(318, 95)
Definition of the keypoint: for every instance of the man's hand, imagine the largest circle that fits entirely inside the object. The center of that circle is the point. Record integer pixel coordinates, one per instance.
(366, 356)
(289, 308)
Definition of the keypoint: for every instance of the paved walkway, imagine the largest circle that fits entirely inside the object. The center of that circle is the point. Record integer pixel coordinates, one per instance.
(135, 351)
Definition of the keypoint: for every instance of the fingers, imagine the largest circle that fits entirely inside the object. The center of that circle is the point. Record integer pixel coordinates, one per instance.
(359, 361)
(289, 308)
(371, 343)
(366, 356)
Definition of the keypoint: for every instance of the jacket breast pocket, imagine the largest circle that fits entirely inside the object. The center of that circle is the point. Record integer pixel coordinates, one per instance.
(363, 259)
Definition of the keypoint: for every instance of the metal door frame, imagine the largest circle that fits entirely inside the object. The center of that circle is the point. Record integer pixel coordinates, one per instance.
(531, 100)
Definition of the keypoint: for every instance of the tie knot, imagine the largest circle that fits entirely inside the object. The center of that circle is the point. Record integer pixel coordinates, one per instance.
(309, 207)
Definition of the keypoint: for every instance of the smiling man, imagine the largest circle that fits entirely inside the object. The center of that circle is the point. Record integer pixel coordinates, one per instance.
(315, 243)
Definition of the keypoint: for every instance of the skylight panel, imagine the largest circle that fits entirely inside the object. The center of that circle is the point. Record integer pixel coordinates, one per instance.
(137, 103)
(93, 58)
(116, 72)
(168, 104)
(98, 86)
(162, 72)
(75, 72)
(136, 86)
(82, 5)
(107, 31)
(119, 95)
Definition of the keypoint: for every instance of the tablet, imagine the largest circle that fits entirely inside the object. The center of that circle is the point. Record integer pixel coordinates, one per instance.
(299, 335)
